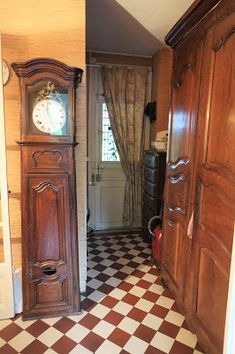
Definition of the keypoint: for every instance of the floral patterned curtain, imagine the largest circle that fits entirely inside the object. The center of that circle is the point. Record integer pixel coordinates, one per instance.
(125, 92)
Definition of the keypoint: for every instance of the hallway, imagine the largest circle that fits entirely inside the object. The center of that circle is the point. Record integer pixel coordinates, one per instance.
(125, 310)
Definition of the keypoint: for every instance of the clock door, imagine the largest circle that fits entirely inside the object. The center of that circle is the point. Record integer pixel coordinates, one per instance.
(49, 216)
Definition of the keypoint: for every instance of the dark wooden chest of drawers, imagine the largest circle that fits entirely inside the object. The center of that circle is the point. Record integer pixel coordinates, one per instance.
(154, 177)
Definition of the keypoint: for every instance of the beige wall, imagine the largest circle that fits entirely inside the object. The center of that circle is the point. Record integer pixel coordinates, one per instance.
(162, 67)
(65, 42)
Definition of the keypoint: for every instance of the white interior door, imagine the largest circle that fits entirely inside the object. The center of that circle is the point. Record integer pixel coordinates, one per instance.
(6, 282)
(105, 175)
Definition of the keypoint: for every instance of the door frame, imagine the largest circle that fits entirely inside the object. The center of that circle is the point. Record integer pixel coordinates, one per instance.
(7, 294)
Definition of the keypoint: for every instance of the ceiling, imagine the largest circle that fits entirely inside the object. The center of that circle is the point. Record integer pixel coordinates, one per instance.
(131, 26)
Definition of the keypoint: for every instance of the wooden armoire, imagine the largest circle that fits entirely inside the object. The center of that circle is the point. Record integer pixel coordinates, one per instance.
(200, 175)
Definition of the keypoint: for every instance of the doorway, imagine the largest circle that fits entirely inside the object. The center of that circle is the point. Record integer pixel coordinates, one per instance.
(106, 179)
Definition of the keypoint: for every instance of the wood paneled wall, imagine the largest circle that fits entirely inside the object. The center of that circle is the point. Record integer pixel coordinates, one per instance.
(162, 67)
(67, 46)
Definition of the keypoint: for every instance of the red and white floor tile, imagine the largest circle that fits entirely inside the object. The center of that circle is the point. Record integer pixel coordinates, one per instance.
(125, 310)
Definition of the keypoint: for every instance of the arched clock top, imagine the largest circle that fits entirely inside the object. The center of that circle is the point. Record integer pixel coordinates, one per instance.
(42, 65)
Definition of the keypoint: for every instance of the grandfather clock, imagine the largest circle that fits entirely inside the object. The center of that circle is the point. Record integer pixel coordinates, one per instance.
(49, 218)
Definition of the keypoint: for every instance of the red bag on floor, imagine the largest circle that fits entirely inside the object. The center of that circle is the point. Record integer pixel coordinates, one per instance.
(156, 236)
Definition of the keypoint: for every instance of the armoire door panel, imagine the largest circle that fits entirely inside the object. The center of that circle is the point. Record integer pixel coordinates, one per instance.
(211, 294)
(213, 236)
(185, 91)
(222, 103)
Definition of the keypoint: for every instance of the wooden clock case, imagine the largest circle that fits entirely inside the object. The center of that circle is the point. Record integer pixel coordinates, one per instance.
(49, 216)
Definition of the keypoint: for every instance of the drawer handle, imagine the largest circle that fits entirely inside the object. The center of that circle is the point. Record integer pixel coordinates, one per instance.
(49, 271)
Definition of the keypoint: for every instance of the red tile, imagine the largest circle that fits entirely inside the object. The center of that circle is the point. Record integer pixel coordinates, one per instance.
(102, 277)
(7, 349)
(175, 307)
(119, 337)
(150, 296)
(64, 345)
(144, 284)
(125, 286)
(37, 328)
(120, 275)
(130, 299)
(133, 264)
(109, 301)
(114, 317)
(88, 304)
(154, 271)
(138, 273)
(152, 350)
(92, 342)
(89, 321)
(180, 348)
(137, 315)
(124, 352)
(10, 331)
(35, 347)
(105, 288)
(64, 324)
(169, 329)
(159, 311)
(145, 333)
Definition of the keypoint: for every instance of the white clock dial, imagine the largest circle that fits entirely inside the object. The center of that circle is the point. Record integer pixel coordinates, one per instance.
(49, 116)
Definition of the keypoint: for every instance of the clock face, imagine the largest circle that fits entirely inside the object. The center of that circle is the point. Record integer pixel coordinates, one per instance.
(49, 116)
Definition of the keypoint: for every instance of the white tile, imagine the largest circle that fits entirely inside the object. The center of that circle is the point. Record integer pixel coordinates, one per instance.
(100, 311)
(186, 337)
(110, 271)
(117, 294)
(94, 283)
(157, 289)
(77, 333)
(50, 336)
(107, 348)
(22, 340)
(79, 349)
(104, 255)
(50, 351)
(113, 281)
(96, 296)
(144, 305)
(126, 269)
(175, 318)
(137, 291)
(119, 253)
(123, 261)
(134, 252)
(128, 325)
(4, 323)
(77, 318)
(2, 342)
(106, 262)
(122, 307)
(91, 263)
(144, 268)
(138, 259)
(149, 277)
(24, 324)
(197, 352)
(136, 345)
(152, 321)
(92, 273)
(132, 279)
(103, 329)
(165, 302)
(162, 342)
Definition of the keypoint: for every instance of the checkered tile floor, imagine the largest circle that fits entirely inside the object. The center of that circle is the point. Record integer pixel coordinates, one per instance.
(125, 310)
